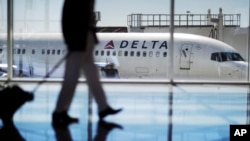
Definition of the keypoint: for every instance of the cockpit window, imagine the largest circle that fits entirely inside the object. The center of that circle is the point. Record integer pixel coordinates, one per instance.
(226, 56)
(215, 57)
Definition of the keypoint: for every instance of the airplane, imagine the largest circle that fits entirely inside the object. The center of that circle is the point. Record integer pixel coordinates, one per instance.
(130, 55)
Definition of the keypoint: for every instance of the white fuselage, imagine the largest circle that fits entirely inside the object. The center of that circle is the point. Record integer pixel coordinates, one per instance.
(132, 55)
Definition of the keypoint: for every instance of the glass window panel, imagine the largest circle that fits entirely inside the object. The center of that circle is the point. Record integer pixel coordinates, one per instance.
(34, 20)
(228, 23)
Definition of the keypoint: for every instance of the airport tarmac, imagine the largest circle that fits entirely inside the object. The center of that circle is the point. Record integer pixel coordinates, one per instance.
(151, 112)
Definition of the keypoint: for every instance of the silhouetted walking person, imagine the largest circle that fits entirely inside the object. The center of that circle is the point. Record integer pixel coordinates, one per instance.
(78, 27)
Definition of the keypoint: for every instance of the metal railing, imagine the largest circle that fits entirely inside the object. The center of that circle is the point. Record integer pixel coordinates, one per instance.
(158, 20)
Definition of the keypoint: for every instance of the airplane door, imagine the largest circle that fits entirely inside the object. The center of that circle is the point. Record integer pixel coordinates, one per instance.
(185, 56)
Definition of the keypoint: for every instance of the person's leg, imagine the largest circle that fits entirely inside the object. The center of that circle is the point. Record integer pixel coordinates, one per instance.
(72, 72)
(92, 77)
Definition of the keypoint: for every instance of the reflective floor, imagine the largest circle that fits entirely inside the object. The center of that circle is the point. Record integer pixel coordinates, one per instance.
(151, 112)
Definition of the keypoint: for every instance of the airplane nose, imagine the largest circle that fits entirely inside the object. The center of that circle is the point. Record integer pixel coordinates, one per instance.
(244, 70)
(240, 70)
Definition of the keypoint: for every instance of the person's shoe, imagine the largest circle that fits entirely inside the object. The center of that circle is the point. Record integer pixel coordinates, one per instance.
(108, 126)
(62, 119)
(108, 111)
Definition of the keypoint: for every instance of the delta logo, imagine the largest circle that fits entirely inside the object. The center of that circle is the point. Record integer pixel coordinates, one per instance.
(137, 44)
(109, 45)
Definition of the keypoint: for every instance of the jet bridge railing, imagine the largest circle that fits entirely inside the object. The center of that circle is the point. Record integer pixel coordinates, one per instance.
(161, 20)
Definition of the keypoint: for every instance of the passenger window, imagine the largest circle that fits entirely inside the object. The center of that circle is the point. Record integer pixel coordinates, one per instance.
(108, 53)
(58, 52)
(1, 50)
(164, 54)
(33, 51)
(18, 51)
(157, 54)
(114, 53)
(132, 53)
(120, 53)
(144, 54)
(48, 52)
(102, 52)
(43, 51)
(53, 52)
(96, 53)
(138, 53)
(126, 53)
(150, 53)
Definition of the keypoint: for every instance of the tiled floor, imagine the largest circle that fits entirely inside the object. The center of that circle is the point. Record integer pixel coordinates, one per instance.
(201, 113)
